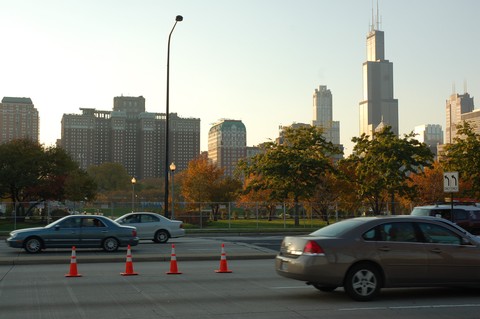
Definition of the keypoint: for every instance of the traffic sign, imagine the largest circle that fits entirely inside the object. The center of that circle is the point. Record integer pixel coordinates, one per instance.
(450, 182)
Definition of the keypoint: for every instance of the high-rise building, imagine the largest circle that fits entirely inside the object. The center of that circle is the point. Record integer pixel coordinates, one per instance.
(457, 107)
(18, 119)
(130, 136)
(378, 105)
(323, 114)
(227, 144)
(430, 134)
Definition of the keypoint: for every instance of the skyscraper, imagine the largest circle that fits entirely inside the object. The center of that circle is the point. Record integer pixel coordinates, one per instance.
(378, 105)
(323, 114)
(18, 119)
(130, 136)
(227, 144)
(430, 134)
(457, 107)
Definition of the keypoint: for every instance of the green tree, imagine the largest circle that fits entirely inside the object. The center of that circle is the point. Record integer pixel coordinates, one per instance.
(31, 173)
(463, 155)
(110, 177)
(293, 168)
(384, 163)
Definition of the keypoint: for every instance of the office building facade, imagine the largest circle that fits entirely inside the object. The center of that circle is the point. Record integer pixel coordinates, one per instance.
(130, 136)
(430, 134)
(18, 119)
(227, 144)
(379, 105)
(458, 108)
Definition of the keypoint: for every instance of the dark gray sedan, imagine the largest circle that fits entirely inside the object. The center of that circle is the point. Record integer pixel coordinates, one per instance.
(87, 231)
(366, 254)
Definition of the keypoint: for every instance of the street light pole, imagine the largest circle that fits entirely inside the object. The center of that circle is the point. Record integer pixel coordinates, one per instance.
(172, 170)
(134, 181)
(167, 120)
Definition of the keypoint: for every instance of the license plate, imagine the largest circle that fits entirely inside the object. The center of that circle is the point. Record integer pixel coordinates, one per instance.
(284, 266)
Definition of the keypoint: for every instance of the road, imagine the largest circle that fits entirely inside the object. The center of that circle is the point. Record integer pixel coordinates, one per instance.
(252, 290)
(187, 248)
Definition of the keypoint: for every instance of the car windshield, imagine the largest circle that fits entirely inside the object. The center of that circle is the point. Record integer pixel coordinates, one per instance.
(337, 229)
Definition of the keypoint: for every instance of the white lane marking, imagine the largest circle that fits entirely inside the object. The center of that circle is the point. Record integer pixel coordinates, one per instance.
(410, 307)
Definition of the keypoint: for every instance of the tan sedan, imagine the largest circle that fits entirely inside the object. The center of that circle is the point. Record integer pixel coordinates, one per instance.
(366, 254)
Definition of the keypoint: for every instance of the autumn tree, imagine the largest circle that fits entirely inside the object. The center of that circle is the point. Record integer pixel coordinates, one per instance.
(383, 165)
(291, 169)
(429, 185)
(204, 182)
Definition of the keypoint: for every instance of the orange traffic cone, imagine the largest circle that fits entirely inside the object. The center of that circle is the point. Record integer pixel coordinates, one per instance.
(129, 265)
(223, 262)
(73, 265)
(173, 263)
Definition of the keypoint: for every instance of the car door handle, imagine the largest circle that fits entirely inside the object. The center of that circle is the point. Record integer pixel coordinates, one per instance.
(385, 248)
(436, 250)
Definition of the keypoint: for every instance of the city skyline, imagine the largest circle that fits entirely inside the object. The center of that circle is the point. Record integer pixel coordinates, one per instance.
(255, 61)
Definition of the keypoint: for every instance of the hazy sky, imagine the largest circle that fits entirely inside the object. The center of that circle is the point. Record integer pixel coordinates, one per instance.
(258, 61)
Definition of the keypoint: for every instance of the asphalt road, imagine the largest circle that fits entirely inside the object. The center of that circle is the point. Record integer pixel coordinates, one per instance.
(252, 290)
(186, 248)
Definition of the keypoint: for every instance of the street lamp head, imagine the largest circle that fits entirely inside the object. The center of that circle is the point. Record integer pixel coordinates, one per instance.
(134, 180)
(179, 18)
(173, 167)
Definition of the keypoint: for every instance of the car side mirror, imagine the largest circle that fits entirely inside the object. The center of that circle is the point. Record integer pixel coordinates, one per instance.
(466, 241)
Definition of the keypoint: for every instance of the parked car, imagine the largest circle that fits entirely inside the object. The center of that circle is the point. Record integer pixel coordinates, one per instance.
(366, 254)
(464, 215)
(153, 226)
(87, 231)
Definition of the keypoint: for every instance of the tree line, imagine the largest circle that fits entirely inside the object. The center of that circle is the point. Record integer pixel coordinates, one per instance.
(382, 171)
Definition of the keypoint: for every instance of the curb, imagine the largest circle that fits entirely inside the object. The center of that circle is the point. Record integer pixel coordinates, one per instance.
(115, 259)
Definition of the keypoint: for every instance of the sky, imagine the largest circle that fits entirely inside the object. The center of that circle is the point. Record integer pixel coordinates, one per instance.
(258, 61)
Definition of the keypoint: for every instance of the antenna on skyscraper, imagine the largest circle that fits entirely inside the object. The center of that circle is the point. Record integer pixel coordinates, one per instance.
(465, 86)
(453, 87)
(378, 20)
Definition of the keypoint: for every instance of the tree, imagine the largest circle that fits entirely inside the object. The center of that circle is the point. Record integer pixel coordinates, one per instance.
(110, 177)
(384, 163)
(31, 173)
(429, 185)
(291, 169)
(464, 156)
(203, 181)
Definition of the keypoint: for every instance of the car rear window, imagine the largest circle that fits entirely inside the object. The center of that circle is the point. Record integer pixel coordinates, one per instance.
(337, 229)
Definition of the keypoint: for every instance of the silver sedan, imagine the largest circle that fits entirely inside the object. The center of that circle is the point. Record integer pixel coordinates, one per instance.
(153, 226)
(366, 254)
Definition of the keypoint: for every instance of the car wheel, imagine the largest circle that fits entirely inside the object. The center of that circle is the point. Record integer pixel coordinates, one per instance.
(363, 282)
(161, 236)
(110, 244)
(33, 245)
(324, 288)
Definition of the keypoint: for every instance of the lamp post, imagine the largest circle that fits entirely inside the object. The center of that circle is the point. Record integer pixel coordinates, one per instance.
(134, 181)
(167, 120)
(172, 171)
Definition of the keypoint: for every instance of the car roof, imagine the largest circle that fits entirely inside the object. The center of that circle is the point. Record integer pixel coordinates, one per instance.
(449, 206)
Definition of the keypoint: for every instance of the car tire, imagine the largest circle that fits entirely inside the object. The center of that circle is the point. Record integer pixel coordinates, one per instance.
(363, 282)
(324, 288)
(110, 244)
(161, 236)
(33, 245)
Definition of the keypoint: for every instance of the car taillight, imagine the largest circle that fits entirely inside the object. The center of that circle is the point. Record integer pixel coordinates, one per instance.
(312, 248)
(134, 233)
(181, 225)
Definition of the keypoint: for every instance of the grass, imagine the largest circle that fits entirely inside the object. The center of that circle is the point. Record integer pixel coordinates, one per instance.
(237, 225)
